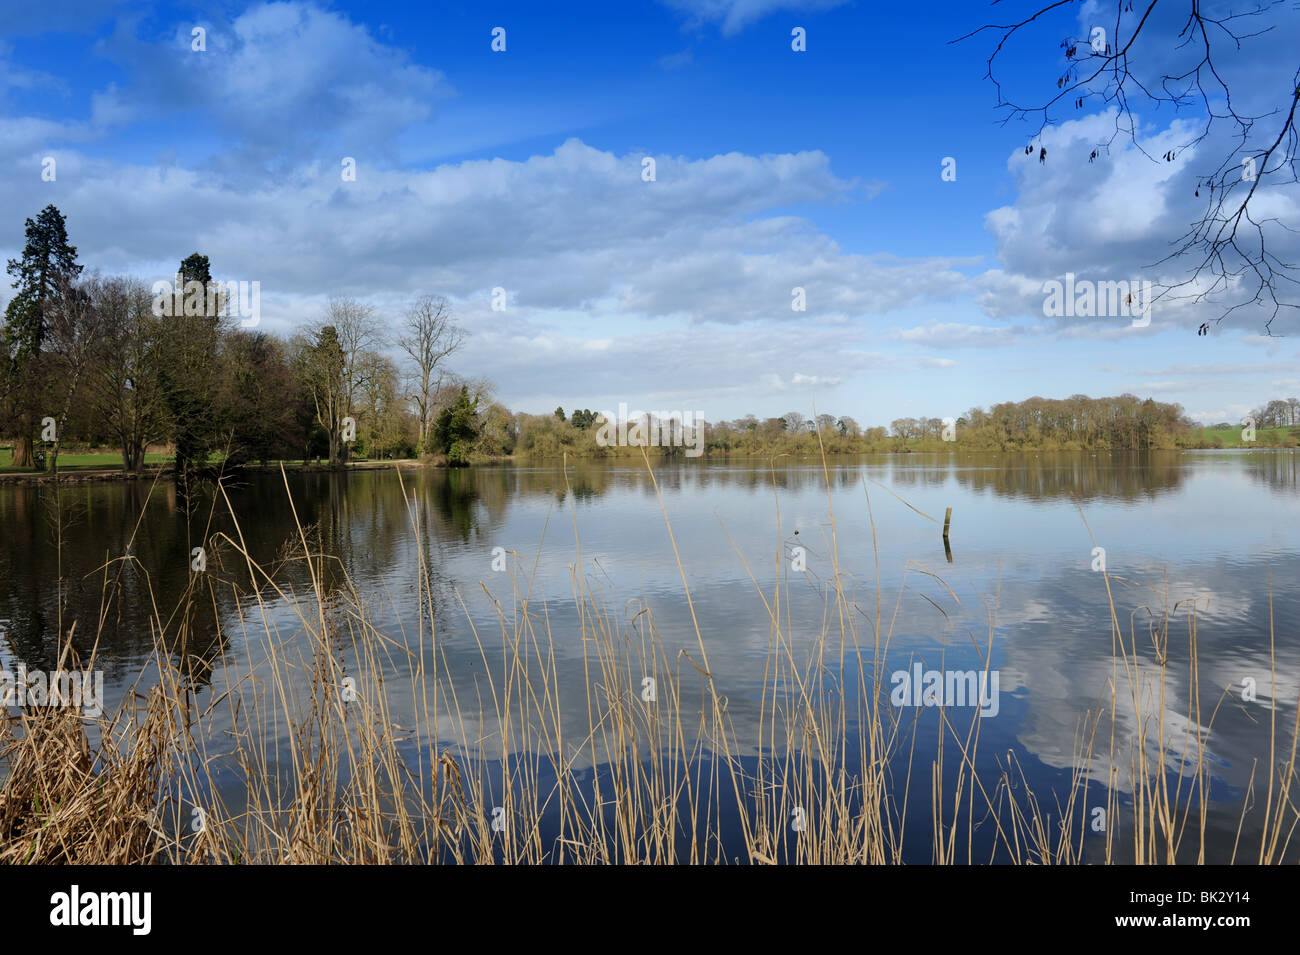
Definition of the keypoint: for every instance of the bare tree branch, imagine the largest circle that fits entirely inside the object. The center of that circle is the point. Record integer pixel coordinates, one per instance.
(1227, 251)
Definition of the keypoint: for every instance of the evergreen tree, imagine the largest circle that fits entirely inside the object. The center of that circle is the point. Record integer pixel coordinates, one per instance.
(457, 428)
(48, 262)
(324, 376)
(189, 377)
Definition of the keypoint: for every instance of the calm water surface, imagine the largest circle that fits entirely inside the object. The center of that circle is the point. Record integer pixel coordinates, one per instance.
(1216, 530)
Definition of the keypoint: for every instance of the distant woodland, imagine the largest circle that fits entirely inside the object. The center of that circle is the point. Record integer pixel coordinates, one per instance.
(89, 361)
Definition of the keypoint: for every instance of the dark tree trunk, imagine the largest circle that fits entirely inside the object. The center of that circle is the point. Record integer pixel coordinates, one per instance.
(23, 443)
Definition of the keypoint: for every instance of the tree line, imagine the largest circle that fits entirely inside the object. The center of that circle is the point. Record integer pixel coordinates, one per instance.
(1278, 413)
(93, 360)
(89, 360)
(1077, 423)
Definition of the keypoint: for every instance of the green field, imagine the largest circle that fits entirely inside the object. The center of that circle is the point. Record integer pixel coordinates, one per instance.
(112, 461)
(1231, 437)
(98, 461)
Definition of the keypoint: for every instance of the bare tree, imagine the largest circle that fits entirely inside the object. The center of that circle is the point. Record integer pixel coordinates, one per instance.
(359, 333)
(429, 336)
(74, 331)
(1231, 249)
(126, 388)
(320, 368)
(336, 366)
(379, 400)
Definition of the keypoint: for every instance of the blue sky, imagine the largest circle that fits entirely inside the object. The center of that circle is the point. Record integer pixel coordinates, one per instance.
(522, 170)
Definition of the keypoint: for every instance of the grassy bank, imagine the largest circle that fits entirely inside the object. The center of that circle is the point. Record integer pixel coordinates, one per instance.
(499, 778)
(84, 461)
(1233, 437)
(109, 464)
(804, 446)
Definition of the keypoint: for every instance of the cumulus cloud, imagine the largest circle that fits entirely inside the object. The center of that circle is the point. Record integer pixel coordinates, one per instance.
(1113, 219)
(575, 229)
(607, 276)
(689, 267)
(281, 82)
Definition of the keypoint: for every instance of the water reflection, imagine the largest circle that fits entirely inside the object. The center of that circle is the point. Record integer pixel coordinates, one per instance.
(1190, 528)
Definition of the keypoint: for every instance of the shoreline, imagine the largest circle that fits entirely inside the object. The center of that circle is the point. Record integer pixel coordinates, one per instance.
(111, 475)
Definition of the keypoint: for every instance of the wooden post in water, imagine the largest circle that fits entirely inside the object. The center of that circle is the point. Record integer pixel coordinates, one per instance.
(947, 521)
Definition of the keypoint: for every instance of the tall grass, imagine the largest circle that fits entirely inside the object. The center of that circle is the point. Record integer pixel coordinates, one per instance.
(300, 755)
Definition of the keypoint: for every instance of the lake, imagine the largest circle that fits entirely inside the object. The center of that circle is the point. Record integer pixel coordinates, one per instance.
(1211, 532)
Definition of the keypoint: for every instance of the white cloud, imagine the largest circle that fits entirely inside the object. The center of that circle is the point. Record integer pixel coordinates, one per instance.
(1113, 219)
(280, 82)
(814, 380)
(615, 283)
(1231, 414)
(735, 15)
(576, 229)
(934, 334)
